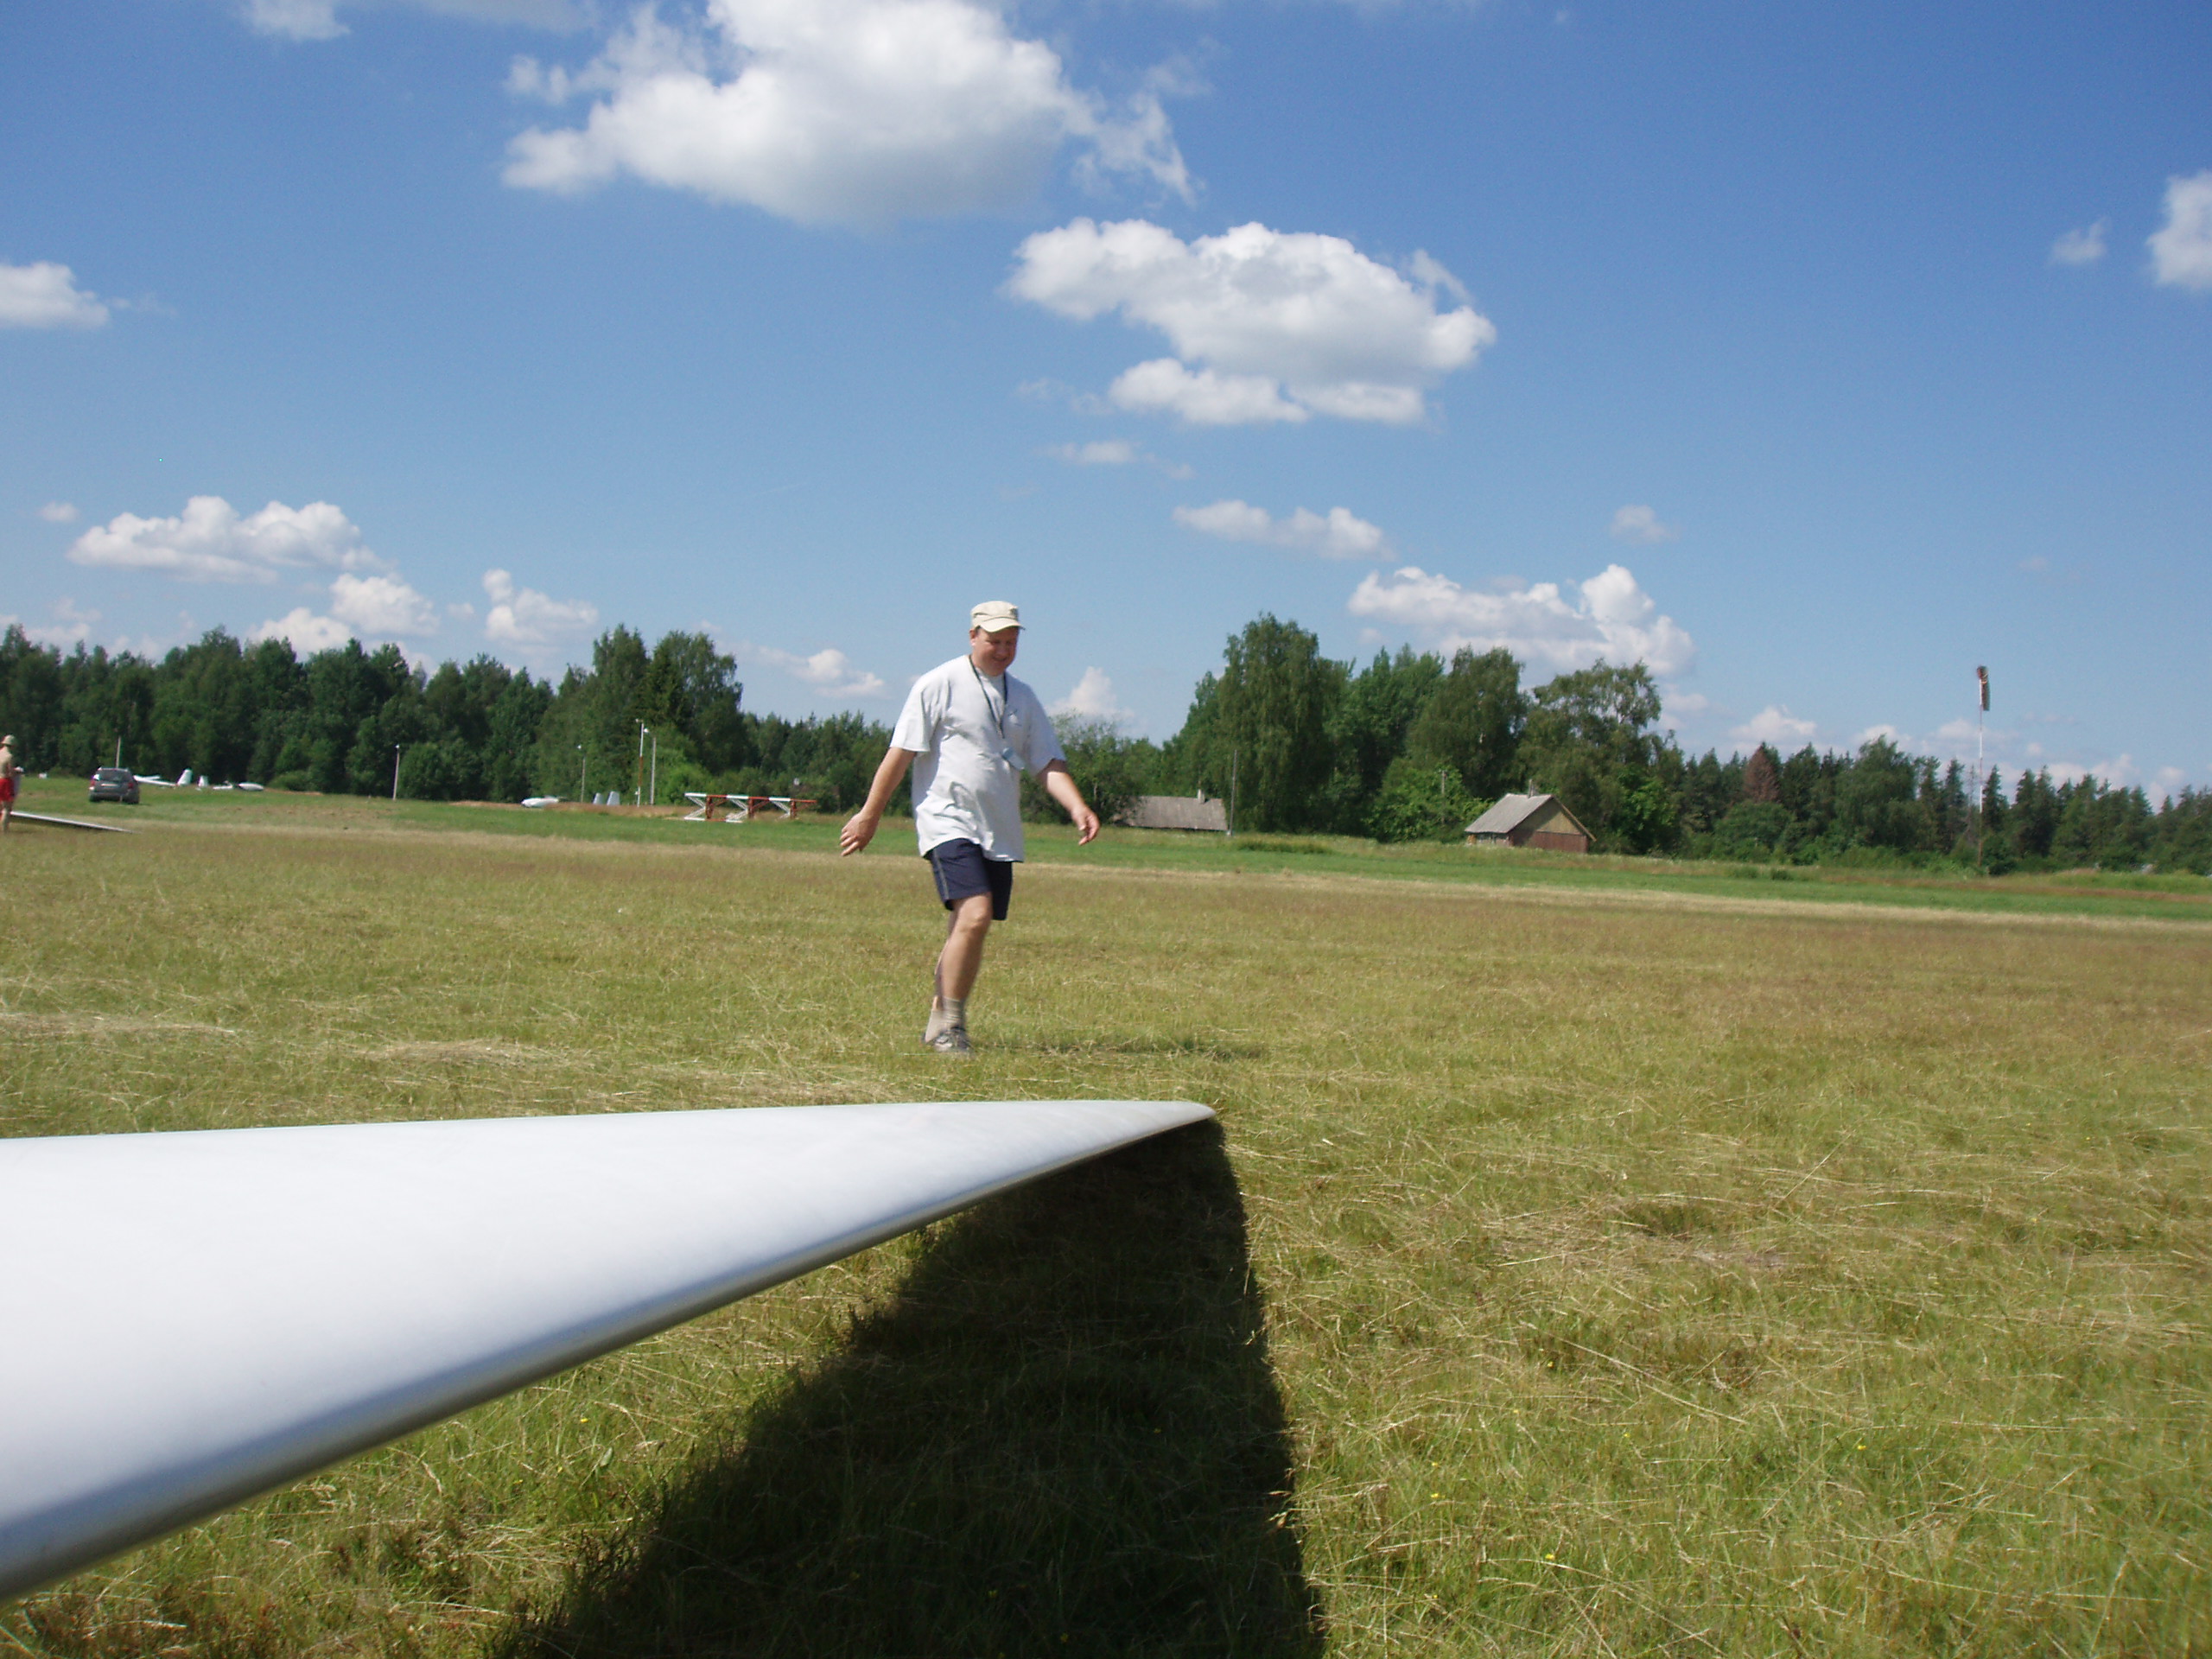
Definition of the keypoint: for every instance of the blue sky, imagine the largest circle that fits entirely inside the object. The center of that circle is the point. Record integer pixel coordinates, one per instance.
(1814, 354)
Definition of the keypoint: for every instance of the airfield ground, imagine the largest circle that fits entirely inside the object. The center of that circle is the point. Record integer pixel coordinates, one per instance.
(1592, 1258)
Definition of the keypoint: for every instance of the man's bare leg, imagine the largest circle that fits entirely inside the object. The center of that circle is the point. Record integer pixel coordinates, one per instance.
(958, 963)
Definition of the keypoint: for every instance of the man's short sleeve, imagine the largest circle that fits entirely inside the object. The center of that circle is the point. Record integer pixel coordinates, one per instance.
(1042, 745)
(917, 722)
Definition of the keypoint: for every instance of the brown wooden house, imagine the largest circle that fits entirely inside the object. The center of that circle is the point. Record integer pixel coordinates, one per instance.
(1531, 821)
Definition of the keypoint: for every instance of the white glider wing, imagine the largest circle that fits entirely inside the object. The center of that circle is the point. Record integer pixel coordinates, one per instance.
(188, 1318)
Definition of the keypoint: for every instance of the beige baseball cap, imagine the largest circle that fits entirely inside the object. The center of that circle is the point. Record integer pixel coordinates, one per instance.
(995, 616)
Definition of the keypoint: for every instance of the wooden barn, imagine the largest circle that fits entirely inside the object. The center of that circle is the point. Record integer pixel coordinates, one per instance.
(1176, 812)
(1531, 821)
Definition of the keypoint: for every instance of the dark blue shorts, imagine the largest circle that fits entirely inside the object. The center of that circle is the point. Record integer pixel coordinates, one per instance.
(963, 872)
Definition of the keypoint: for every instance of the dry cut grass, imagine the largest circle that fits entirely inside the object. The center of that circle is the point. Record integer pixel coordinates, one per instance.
(1567, 1277)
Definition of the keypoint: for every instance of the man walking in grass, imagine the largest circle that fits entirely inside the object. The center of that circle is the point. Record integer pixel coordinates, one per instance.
(968, 730)
(8, 776)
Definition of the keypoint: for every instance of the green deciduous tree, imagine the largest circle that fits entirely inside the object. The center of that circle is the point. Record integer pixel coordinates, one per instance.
(1589, 740)
(1473, 723)
(1270, 721)
(1877, 801)
(1419, 802)
(1110, 769)
(1753, 829)
(1369, 728)
(1642, 811)
(690, 687)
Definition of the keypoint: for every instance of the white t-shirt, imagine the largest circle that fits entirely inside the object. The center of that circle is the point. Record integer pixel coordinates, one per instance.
(957, 722)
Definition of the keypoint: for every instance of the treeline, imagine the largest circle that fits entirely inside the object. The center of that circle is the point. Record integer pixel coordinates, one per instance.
(1409, 746)
(1412, 747)
(340, 719)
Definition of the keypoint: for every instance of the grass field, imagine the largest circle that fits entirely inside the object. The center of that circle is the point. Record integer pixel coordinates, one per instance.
(1592, 1258)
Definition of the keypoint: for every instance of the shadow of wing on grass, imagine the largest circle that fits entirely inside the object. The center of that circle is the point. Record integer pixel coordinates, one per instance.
(1062, 1435)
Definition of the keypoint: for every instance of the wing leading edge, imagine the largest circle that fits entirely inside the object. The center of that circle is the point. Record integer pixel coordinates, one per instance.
(197, 1316)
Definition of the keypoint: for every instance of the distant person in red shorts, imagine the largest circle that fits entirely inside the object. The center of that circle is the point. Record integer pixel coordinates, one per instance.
(970, 729)
(8, 776)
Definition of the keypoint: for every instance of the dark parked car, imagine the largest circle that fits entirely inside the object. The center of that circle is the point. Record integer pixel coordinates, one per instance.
(115, 784)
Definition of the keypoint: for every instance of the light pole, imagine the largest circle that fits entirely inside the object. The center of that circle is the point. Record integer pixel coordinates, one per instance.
(582, 762)
(653, 772)
(640, 782)
(395, 749)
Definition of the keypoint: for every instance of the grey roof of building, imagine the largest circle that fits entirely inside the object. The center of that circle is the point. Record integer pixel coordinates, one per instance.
(1176, 812)
(1510, 812)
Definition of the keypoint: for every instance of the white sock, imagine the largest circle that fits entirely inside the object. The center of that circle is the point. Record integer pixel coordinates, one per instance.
(955, 1011)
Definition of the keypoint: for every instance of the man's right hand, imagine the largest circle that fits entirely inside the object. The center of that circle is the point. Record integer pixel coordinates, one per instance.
(860, 828)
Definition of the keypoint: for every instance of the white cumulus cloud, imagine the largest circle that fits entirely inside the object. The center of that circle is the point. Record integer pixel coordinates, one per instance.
(2081, 247)
(210, 542)
(1164, 386)
(376, 608)
(1114, 452)
(1282, 326)
(523, 616)
(1092, 698)
(1642, 525)
(317, 20)
(1104, 452)
(1774, 724)
(59, 512)
(74, 628)
(46, 295)
(294, 20)
(307, 632)
(826, 670)
(1610, 616)
(2181, 249)
(2122, 773)
(850, 112)
(1337, 534)
(381, 606)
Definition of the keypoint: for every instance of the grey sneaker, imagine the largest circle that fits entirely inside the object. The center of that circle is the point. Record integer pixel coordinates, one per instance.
(953, 1040)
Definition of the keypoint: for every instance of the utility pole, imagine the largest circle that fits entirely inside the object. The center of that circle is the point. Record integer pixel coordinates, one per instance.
(640, 783)
(395, 749)
(582, 760)
(1232, 791)
(653, 772)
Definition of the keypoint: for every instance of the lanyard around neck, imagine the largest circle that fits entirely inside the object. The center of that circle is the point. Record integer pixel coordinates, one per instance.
(998, 714)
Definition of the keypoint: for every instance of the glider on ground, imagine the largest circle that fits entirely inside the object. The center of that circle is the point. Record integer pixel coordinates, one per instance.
(194, 1317)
